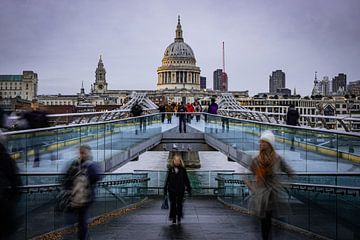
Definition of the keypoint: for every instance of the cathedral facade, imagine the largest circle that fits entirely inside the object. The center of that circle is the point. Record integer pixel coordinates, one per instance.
(178, 69)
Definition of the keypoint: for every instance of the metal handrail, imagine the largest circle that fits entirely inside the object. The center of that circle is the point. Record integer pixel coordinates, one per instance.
(301, 128)
(74, 125)
(304, 186)
(57, 186)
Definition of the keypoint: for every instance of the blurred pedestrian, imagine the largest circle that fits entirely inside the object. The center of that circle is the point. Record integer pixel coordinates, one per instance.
(36, 119)
(267, 191)
(176, 183)
(292, 119)
(9, 193)
(80, 180)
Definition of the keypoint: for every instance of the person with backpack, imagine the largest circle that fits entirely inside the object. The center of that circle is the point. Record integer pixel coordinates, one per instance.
(182, 117)
(292, 119)
(136, 111)
(79, 181)
(169, 110)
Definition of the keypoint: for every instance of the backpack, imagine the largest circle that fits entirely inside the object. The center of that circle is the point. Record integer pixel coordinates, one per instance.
(136, 110)
(213, 108)
(37, 119)
(182, 109)
(81, 190)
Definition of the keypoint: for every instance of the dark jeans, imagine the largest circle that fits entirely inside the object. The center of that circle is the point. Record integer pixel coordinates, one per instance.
(182, 124)
(162, 117)
(189, 117)
(266, 226)
(225, 124)
(83, 215)
(198, 117)
(142, 125)
(176, 205)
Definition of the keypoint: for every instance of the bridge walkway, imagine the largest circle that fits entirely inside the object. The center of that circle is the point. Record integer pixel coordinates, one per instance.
(204, 218)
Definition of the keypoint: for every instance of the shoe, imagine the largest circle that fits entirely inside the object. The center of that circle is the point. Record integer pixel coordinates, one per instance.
(174, 221)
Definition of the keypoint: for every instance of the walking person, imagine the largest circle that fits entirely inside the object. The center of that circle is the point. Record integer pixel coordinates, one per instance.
(169, 110)
(292, 119)
(267, 191)
(182, 117)
(198, 110)
(189, 109)
(176, 183)
(213, 108)
(162, 110)
(80, 180)
(136, 111)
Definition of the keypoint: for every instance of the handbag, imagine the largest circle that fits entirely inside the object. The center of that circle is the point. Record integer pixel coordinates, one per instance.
(165, 204)
(63, 201)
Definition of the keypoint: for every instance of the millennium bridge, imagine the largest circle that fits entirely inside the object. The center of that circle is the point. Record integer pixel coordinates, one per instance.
(324, 193)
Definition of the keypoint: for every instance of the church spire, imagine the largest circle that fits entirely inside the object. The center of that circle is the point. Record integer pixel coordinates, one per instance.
(82, 90)
(100, 63)
(178, 36)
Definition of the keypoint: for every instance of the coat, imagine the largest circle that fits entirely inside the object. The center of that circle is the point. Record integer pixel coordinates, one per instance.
(92, 172)
(292, 117)
(268, 194)
(177, 182)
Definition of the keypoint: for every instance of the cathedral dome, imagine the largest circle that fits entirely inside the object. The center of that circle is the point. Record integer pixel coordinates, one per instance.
(179, 50)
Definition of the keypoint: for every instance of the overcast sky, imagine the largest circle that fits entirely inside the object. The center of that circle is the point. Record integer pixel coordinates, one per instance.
(61, 40)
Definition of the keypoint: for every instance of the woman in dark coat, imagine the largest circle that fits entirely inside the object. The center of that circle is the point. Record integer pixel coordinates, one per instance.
(266, 200)
(176, 183)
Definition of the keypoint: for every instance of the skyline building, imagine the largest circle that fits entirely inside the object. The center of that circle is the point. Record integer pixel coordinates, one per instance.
(202, 82)
(276, 81)
(339, 84)
(324, 86)
(217, 79)
(23, 85)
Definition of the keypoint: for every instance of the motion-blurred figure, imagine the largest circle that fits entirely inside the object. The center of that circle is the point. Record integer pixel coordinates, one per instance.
(80, 180)
(36, 119)
(267, 191)
(9, 193)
